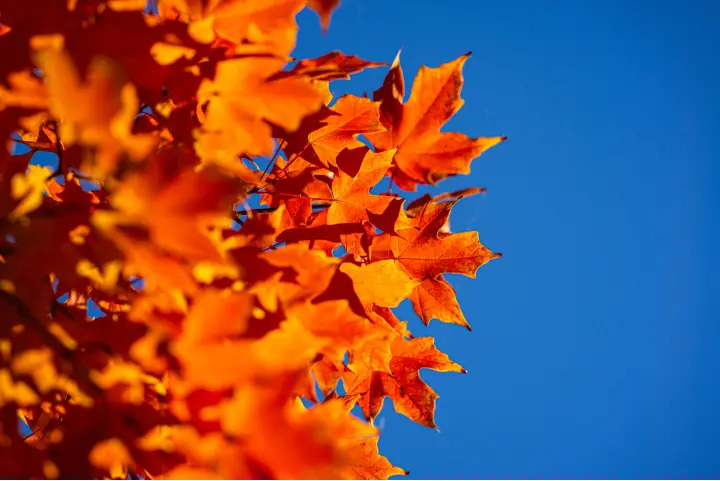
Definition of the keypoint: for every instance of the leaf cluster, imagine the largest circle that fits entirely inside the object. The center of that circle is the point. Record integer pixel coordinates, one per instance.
(202, 283)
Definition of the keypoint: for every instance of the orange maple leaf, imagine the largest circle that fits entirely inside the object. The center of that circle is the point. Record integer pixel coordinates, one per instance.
(321, 140)
(425, 251)
(243, 97)
(381, 283)
(97, 111)
(435, 298)
(176, 207)
(269, 24)
(332, 66)
(369, 464)
(424, 154)
(359, 170)
(410, 395)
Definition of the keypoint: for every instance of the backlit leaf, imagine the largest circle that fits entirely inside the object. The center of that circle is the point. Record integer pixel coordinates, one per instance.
(424, 154)
(200, 257)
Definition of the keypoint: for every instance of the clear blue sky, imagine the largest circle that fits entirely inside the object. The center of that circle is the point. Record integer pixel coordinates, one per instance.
(595, 345)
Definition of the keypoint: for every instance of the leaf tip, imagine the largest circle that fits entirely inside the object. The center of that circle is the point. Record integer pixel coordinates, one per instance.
(396, 60)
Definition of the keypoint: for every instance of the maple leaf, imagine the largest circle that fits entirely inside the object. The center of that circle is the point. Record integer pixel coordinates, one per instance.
(268, 23)
(359, 170)
(236, 361)
(332, 66)
(410, 395)
(392, 219)
(369, 463)
(435, 298)
(322, 140)
(294, 444)
(261, 230)
(425, 251)
(97, 112)
(334, 321)
(416, 205)
(231, 312)
(242, 97)
(424, 154)
(175, 204)
(132, 40)
(381, 282)
(313, 272)
(327, 373)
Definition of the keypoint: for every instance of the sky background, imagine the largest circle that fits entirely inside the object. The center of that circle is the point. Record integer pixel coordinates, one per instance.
(595, 351)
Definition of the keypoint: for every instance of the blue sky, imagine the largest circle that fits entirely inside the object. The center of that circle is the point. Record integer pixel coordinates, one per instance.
(594, 350)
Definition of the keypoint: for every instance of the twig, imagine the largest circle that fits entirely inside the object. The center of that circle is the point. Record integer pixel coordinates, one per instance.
(272, 160)
(284, 169)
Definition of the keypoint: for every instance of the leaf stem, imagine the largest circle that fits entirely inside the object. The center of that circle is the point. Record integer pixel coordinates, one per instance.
(272, 160)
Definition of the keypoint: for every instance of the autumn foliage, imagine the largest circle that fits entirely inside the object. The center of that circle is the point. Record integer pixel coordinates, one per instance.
(202, 282)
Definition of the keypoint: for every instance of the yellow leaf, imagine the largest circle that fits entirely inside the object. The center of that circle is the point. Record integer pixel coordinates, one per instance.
(30, 189)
